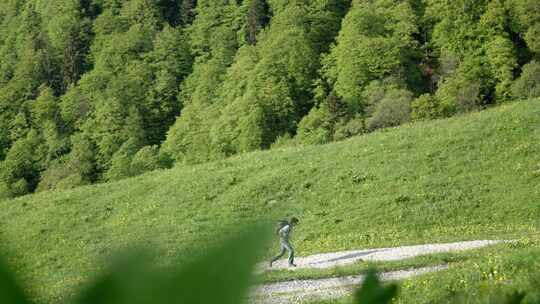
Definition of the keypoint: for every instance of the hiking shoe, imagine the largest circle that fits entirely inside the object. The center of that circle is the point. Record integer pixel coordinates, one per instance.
(292, 265)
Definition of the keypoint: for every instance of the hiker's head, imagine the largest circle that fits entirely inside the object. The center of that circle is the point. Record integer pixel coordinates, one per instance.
(294, 221)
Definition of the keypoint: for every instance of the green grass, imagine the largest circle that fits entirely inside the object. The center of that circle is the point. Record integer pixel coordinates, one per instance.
(470, 177)
(486, 276)
(483, 278)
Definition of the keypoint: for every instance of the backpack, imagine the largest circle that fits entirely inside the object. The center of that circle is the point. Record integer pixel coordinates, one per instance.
(280, 224)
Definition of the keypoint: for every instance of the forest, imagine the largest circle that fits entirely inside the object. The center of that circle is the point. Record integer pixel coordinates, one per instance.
(101, 90)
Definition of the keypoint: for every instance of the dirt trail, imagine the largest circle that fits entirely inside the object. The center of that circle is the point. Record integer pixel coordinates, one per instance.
(334, 259)
(300, 290)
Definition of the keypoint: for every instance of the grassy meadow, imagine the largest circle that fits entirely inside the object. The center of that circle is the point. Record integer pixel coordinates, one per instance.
(507, 273)
(469, 177)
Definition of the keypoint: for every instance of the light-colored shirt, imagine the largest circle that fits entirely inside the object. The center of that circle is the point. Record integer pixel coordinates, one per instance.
(285, 232)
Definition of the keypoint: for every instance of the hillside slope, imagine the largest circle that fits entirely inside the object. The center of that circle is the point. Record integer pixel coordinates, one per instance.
(474, 176)
(102, 90)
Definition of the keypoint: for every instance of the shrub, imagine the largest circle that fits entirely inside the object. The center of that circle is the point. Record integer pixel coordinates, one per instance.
(388, 105)
(528, 84)
(459, 94)
(5, 192)
(428, 106)
(20, 169)
(120, 166)
(20, 187)
(350, 128)
(61, 175)
(121, 161)
(390, 112)
(283, 141)
(165, 159)
(82, 157)
(532, 36)
(72, 181)
(316, 127)
(75, 169)
(145, 160)
(50, 178)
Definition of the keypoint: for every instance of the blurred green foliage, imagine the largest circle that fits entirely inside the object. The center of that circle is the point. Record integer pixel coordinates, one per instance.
(372, 291)
(222, 274)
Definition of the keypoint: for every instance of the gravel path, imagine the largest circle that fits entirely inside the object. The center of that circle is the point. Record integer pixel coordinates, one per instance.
(302, 290)
(334, 259)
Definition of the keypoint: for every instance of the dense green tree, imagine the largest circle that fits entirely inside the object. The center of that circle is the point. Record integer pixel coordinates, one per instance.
(214, 40)
(477, 57)
(526, 14)
(74, 169)
(46, 119)
(170, 62)
(98, 90)
(69, 34)
(256, 19)
(19, 172)
(147, 159)
(121, 161)
(499, 49)
(317, 127)
(528, 84)
(187, 11)
(170, 11)
(23, 69)
(269, 88)
(376, 41)
(388, 105)
(131, 94)
(427, 106)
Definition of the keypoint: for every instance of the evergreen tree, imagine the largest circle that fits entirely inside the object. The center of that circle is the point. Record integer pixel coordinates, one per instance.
(256, 19)
(214, 43)
(19, 172)
(170, 62)
(69, 35)
(187, 11)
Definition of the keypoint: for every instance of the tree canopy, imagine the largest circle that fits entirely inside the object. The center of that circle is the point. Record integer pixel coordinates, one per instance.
(99, 90)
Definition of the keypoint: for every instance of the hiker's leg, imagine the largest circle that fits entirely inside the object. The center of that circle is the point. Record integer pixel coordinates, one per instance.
(289, 248)
(281, 253)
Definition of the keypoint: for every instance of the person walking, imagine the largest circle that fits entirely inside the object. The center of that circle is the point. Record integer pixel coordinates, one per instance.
(284, 232)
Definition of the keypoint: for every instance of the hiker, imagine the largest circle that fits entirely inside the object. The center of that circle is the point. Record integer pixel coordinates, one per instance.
(284, 231)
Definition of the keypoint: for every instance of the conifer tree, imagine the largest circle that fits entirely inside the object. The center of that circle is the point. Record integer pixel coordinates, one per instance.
(256, 19)
(187, 11)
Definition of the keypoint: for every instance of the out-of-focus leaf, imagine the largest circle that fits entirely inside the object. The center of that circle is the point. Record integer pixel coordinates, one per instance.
(515, 298)
(373, 292)
(221, 275)
(10, 291)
